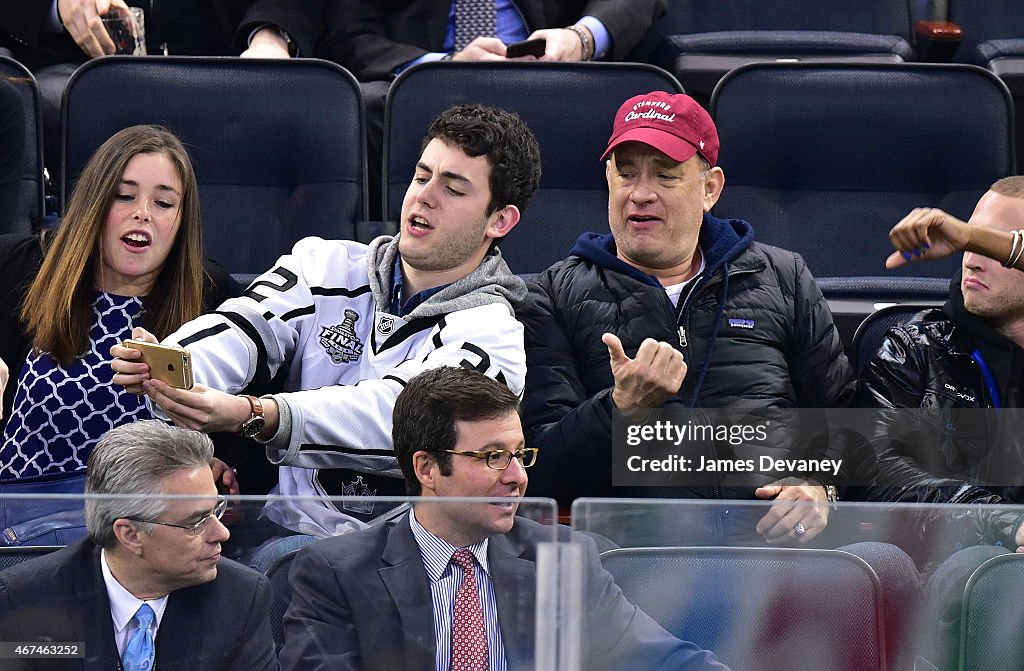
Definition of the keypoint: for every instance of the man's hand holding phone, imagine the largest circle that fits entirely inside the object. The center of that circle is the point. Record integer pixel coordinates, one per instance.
(534, 47)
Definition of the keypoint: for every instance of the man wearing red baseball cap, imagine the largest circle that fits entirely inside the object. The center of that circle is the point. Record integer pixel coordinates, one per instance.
(676, 308)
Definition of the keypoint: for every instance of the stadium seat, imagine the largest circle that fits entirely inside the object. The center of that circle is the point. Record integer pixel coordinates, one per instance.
(30, 208)
(852, 299)
(871, 332)
(568, 106)
(982, 23)
(277, 573)
(824, 159)
(15, 554)
(699, 42)
(278, 146)
(992, 612)
(760, 608)
(994, 38)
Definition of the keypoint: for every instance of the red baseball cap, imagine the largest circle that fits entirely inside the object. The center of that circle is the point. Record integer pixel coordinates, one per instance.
(674, 124)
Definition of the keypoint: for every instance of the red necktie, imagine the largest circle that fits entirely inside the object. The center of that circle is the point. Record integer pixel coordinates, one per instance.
(469, 637)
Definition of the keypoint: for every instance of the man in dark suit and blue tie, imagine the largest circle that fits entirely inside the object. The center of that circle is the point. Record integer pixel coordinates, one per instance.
(453, 586)
(148, 589)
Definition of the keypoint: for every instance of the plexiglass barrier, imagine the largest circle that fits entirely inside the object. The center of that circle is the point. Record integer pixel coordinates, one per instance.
(822, 586)
(638, 584)
(387, 593)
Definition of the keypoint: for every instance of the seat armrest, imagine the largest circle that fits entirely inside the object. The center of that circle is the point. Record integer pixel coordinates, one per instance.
(937, 41)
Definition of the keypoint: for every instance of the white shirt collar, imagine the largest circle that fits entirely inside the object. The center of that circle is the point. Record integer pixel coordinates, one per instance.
(437, 552)
(123, 604)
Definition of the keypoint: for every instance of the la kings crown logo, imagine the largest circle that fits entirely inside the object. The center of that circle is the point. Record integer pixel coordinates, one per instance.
(340, 341)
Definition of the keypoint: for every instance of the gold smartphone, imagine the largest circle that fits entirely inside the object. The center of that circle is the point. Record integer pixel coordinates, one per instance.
(169, 364)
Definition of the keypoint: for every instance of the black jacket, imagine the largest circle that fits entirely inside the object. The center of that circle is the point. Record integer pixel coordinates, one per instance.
(937, 436)
(950, 444)
(755, 331)
(221, 625)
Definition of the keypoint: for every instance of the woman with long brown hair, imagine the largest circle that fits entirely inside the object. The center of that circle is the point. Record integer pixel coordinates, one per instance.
(128, 253)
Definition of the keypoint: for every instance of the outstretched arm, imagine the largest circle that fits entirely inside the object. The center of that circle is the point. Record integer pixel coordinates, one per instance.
(930, 233)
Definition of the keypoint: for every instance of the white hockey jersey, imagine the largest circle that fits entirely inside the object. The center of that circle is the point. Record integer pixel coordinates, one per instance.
(321, 313)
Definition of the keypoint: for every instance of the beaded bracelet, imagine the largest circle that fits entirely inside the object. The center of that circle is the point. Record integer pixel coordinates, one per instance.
(588, 46)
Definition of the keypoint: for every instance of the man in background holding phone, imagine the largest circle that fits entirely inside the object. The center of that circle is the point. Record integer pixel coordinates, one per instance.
(377, 43)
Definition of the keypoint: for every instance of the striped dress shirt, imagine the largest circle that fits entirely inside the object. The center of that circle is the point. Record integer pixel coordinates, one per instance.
(445, 579)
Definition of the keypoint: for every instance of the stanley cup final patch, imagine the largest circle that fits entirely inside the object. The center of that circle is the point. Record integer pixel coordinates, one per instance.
(340, 341)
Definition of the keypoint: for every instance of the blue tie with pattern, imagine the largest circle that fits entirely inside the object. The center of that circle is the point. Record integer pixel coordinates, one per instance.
(473, 19)
(139, 653)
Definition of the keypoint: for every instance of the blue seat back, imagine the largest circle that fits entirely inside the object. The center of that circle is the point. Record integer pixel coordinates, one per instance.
(982, 22)
(29, 209)
(688, 17)
(760, 608)
(278, 146)
(992, 612)
(15, 554)
(281, 594)
(825, 159)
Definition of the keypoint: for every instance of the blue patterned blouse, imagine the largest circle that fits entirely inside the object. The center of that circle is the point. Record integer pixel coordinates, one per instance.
(60, 413)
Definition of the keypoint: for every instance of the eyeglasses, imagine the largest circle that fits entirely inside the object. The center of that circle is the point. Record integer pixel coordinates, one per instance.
(500, 459)
(196, 528)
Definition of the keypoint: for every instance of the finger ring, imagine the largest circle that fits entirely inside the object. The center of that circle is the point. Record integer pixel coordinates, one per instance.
(800, 529)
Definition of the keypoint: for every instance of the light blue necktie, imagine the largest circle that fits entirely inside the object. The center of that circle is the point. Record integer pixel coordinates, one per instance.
(139, 653)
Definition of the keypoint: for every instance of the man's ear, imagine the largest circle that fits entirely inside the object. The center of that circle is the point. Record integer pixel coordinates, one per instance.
(128, 535)
(714, 182)
(424, 464)
(501, 222)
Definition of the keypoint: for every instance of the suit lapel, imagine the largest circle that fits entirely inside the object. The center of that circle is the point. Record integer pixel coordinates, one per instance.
(514, 580)
(406, 581)
(96, 623)
(180, 636)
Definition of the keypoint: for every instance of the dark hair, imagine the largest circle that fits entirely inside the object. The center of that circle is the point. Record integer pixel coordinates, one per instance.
(507, 142)
(429, 406)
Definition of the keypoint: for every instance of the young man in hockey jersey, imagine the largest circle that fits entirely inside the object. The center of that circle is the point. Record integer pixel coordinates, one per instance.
(351, 323)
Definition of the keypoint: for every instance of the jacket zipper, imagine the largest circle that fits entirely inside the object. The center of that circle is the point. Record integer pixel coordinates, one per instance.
(684, 312)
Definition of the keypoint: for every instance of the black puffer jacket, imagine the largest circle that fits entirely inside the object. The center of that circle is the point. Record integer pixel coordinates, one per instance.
(948, 444)
(935, 440)
(755, 331)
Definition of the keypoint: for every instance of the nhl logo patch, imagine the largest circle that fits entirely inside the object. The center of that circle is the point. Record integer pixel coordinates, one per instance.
(386, 325)
(340, 341)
